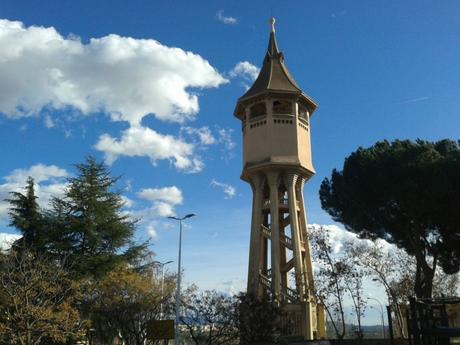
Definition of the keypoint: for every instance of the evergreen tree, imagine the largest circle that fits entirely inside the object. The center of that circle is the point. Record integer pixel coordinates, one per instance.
(87, 224)
(407, 193)
(26, 216)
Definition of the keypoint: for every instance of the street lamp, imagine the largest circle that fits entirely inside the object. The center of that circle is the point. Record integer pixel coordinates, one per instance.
(381, 314)
(176, 336)
(162, 265)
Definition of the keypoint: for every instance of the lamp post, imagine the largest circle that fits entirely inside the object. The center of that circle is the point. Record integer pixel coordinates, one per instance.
(176, 336)
(381, 314)
(162, 265)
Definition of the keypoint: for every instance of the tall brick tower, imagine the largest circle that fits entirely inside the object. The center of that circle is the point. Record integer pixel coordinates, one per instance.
(275, 116)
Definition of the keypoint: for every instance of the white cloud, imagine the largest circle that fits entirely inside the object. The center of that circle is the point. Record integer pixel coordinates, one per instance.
(225, 19)
(246, 70)
(125, 77)
(142, 141)
(203, 133)
(129, 185)
(7, 240)
(152, 232)
(339, 236)
(67, 133)
(163, 201)
(413, 100)
(128, 203)
(162, 209)
(171, 195)
(228, 190)
(49, 181)
(38, 172)
(225, 137)
(49, 123)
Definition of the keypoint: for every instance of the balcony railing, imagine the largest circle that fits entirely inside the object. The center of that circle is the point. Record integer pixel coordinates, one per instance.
(266, 231)
(287, 241)
(264, 280)
(286, 292)
(284, 203)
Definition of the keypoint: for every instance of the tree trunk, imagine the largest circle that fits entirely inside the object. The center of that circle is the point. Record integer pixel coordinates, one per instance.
(423, 279)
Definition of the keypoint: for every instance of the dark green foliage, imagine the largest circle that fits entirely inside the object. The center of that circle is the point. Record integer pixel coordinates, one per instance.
(88, 225)
(26, 216)
(407, 193)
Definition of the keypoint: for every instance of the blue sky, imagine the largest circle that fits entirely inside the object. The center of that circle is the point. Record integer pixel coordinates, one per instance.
(73, 84)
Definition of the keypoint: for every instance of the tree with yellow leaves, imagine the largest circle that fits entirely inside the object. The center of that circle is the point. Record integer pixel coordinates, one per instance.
(38, 301)
(124, 301)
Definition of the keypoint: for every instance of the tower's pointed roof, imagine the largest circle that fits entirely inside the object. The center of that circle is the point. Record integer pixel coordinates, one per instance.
(274, 75)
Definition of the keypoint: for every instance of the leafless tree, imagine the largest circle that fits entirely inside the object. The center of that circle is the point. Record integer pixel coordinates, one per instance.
(210, 317)
(329, 279)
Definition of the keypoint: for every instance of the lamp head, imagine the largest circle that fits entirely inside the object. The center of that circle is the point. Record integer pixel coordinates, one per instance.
(190, 215)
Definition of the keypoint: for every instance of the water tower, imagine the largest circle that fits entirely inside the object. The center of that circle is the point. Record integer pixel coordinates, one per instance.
(275, 117)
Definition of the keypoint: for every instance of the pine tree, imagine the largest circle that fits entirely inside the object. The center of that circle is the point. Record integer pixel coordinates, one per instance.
(407, 193)
(26, 216)
(88, 224)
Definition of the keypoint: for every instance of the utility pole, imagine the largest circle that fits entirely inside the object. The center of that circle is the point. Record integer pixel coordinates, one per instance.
(381, 314)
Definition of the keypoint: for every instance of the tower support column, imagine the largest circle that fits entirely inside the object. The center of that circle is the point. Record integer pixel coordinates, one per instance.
(273, 182)
(256, 236)
(290, 182)
(304, 235)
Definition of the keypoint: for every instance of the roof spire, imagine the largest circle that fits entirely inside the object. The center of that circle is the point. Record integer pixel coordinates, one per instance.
(274, 78)
(272, 24)
(272, 46)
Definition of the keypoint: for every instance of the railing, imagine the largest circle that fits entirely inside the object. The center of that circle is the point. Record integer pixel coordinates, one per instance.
(282, 203)
(430, 323)
(266, 231)
(257, 117)
(265, 281)
(287, 241)
(292, 294)
(286, 292)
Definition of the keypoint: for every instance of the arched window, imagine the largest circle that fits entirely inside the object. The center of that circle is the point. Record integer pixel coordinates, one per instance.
(282, 107)
(303, 113)
(257, 110)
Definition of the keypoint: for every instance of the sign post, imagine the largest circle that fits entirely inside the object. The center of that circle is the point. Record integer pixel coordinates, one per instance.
(160, 330)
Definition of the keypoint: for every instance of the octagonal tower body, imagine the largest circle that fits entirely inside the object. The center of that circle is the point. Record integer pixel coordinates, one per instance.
(275, 116)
